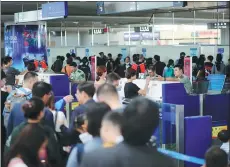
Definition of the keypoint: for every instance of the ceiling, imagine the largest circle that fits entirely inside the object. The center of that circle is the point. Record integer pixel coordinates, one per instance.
(84, 13)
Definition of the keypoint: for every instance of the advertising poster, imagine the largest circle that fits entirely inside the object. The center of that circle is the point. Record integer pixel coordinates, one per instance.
(25, 43)
(124, 54)
(87, 52)
(193, 52)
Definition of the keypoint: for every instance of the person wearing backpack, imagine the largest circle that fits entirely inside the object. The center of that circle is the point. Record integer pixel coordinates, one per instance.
(68, 68)
(57, 66)
(169, 69)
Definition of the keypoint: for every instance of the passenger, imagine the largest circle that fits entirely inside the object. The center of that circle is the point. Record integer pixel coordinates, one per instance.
(141, 118)
(94, 115)
(68, 69)
(85, 68)
(111, 129)
(34, 114)
(208, 65)
(179, 76)
(107, 93)
(181, 60)
(121, 70)
(219, 67)
(224, 137)
(30, 78)
(169, 69)
(228, 70)
(131, 90)
(101, 76)
(84, 94)
(159, 65)
(110, 63)
(201, 61)
(216, 157)
(194, 67)
(58, 64)
(113, 79)
(10, 71)
(77, 75)
(30, 152)
(31, 67)
(59, 116)
(152, 72)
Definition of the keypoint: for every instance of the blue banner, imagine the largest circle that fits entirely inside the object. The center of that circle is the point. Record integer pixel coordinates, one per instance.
(193, 52)
(25, 43)
(144, 52)
(220, 50)
(100, 7)
(124, 54)
(87, 52)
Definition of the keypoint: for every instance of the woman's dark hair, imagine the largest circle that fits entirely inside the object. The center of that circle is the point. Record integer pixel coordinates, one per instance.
(210, 58)
(224, 136)
(182, 54)
(27, 145)
(170, 63)
(85, 60)
(32, 108)
(79, 120)
(73, 55)
(141, 118)
(127, 57)
(31, 66)
(200, 63)
(157, 58)
(130, 72)
(219, 58)
(69, 60)
(100, 71)
(58, 57)
(62, 58)
(40, 89)
(68, 55)
(51, 101)
(6, 60)
(94, 115)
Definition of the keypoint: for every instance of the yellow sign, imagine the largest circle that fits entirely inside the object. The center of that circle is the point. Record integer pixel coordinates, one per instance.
(217, 129)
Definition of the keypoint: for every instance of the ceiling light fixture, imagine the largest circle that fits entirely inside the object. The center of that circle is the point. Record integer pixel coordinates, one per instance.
(75, 22)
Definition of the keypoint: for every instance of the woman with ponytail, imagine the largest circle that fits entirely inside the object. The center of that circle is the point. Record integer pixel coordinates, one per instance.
(219, 67)
(101, 76)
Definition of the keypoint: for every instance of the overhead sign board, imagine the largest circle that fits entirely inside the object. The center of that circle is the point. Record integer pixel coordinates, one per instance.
(55, 9)
(220, 25)
(97, 31)
(143, 29)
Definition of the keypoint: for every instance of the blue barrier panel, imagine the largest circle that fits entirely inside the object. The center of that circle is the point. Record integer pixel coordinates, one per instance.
(168, 123)
(216, 82)
(198, 136)
(60, 85)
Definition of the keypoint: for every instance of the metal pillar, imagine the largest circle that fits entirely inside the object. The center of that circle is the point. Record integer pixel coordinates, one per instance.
(129, 35)
(78, 37)
(173, 33)
(153, 30)
(194, 29)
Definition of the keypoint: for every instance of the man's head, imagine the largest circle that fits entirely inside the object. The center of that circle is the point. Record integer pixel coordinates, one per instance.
(178, 71)
(182, 54)
(74, 66)
(110, 56)
(42, 90)
(113, 78)
(152, 71)
(107, 93)
(85, 91)
(101, 54)
(141, 118)
(111, 127)
(58, 57)
(30, 78)
(8, 61)
(216, 157)
(119, 56)
(157, 58)
(3, 79)
(127, 60)
(131, 74)
(31, 66)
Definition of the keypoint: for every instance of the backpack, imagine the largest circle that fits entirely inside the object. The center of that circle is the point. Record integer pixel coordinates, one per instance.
(169, 72)
(17, 98)
(86, 70)
(53, 67)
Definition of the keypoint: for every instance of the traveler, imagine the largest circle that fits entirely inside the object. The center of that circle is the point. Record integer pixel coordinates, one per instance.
(216, 157)
(218, 67)
(68, 69)
(169, 69)
(31, 67)
(101, 76)
(57, 66)
(110, 63)
(181, 60)
(159, 65)
(32, 152)
(208, 65)
(228, 70)
(117, 63)
(123, 68)
(77, 75)
(84, 94)
(84, 66)
(111, 129)
(141, 118)
(131, 90)
(10, 71)
(152, 72)
(224, 137)
(108, 94)
(34, 114)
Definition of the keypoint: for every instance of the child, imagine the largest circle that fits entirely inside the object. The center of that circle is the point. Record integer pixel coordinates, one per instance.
(225, 138)
(111, 129)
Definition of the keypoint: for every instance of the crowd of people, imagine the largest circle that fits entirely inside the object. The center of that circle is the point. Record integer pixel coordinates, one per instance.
(102, 131)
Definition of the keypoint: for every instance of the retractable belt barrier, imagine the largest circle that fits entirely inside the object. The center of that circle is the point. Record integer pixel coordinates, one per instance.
(182, 157)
